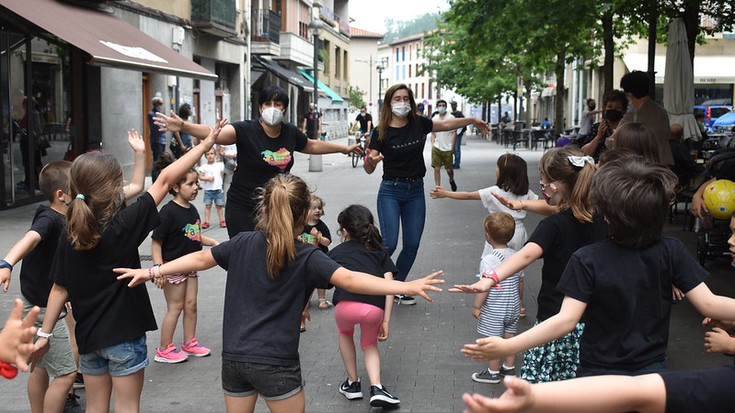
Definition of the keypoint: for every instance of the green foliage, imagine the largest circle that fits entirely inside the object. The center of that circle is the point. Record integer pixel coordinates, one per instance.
(400, 29)
(356, 96)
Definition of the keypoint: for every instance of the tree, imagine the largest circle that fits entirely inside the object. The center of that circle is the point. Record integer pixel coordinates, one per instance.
(356, 97)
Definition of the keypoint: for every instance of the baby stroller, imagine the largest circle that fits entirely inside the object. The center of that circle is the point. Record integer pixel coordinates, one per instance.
(712, 234)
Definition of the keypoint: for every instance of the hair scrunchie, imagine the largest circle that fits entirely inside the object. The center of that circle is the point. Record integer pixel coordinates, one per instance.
(80, 196)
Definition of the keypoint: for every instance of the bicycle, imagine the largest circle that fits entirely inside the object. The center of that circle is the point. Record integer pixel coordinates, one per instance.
(361, 139)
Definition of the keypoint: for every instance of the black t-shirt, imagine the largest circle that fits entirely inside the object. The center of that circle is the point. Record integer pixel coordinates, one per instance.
(403, 149)
(310, 239)
(262, 313)
(107, 311)
(702, 391)
(179, 232)
(260, 158)
(354, 256)
(311, 119)
(364, 121)
(628, 292)
(459, 114)
(35, 279)
(559, 236)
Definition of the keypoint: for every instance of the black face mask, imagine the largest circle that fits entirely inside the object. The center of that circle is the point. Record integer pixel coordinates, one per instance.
(613, 115)
(592, 106)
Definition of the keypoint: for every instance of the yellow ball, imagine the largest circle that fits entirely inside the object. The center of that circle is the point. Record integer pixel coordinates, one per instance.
(719, 197)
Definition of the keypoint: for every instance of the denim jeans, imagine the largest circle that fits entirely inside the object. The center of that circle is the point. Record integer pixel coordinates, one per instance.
(402, 203)
(458, 150)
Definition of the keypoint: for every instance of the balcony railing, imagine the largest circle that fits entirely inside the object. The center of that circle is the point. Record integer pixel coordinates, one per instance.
(266, 26)
(216, 17)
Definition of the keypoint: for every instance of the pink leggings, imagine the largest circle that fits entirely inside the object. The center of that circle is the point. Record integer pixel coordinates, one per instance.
(369, 317)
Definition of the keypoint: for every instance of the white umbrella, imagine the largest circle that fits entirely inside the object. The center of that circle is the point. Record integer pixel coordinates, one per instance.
(679, 81)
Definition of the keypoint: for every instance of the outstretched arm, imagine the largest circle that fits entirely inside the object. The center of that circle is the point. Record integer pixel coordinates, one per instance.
(518, 261)
(456, 123)
(708, 304)
(174, 123)
(317, 147)
(538, 206)
(137, 182)
(562, 323)
(601, 394)
(439, 192)
(359, 282)
(17, 252)
(196, 261)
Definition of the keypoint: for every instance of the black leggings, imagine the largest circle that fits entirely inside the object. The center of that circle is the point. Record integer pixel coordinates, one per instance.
(239, 218)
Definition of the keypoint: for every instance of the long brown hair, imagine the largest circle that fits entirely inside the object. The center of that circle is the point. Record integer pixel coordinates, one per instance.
(284, 203)
(97, 195)
(385, 112)
(512, 174)
(556, 166)
(638, 138)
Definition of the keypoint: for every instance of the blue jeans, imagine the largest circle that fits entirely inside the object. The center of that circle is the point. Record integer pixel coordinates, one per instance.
(458, 150)
(402, 203)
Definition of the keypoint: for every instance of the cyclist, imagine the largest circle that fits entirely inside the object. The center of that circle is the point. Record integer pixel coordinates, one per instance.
(365, 120)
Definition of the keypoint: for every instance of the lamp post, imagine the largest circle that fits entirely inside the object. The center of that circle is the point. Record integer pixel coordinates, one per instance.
(380, 69)
(315, 161)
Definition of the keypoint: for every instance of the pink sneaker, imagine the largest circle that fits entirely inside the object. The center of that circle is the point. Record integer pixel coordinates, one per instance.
(170, 355)
(195, 349)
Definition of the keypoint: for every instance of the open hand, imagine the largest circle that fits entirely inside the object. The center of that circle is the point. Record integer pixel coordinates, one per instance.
(374, 159)
(420, 286)
(438, 192)
(718, 341)
(487, 348)
(356, 148)
(478, 287)
(138, 275)
(136, 141)
(514, 204)
(481, 126)
(518, 397)
(171, 123)
(16, 337)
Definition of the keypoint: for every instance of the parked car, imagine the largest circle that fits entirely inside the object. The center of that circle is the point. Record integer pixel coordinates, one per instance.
(711, 113)
(724, 123)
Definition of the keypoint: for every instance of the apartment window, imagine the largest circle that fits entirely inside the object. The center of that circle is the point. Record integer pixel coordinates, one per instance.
(409, 53)
(417, 70)
(409, 71)
(423, 90)
(345, 62)
(404, 71)
(397, 54)
(403, 53)
(337, 62)
(327, 55)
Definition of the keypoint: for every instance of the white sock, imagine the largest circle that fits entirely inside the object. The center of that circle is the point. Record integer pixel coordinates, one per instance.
(508, 368)
(492, 371)
(378, 385)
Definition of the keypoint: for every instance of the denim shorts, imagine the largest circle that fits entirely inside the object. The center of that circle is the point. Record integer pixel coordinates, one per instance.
(243, 379)
(118, 360)
(214, 195)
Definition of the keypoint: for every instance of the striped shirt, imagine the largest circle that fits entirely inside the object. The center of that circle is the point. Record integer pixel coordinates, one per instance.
(502, 304)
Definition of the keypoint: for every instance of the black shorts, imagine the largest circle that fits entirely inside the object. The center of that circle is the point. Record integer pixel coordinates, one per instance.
(242, 379)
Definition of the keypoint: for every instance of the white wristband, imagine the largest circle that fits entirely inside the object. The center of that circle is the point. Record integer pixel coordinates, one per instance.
(41, 334)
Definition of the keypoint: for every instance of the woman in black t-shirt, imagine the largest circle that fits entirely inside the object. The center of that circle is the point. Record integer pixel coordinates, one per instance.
(399, 141)
(264, 149)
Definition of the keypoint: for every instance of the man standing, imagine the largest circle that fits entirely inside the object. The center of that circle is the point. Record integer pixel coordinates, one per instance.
(442, 147)
(588, 118)
(310, 119)
(157, 137)
(636, 87)
(460, 132)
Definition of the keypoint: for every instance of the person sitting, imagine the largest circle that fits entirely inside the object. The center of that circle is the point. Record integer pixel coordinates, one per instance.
(684, 166)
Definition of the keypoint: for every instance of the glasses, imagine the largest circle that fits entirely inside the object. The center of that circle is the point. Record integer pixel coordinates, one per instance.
(543, 186)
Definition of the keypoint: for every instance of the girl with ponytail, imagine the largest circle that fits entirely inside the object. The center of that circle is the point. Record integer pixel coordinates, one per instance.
(566, 178)
(103, 233)
(270, 275)
(362, 250)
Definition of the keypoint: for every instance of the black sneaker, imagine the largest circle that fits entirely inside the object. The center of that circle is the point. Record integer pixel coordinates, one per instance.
(401, 299)
(453, 185)
(486, 377)
(351, 391)
(79, 381)
(507, 372)
(379, 397)
(72, 405)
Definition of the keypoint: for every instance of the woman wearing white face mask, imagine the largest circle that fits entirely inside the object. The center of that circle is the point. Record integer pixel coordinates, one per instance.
(264, 149)
(398, 141)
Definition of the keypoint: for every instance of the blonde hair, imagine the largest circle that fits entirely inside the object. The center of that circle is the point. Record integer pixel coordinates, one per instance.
(556, 166)
(284, 203)
(500, 226)
(96, 189)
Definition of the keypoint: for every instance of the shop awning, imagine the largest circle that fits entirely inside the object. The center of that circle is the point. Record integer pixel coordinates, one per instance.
(286, 74)
(109, 40)
(707, 69)
(324, 88)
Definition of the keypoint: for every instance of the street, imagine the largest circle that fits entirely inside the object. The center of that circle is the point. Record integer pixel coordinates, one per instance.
(421, 362)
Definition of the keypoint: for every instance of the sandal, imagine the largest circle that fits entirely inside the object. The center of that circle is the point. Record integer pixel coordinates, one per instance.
(324, 304)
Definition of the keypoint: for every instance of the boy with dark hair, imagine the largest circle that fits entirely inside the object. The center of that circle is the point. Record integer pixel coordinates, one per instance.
(35, 248)
(623, 285)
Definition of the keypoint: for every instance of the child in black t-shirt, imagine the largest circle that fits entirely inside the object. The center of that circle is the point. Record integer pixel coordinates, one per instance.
(317, 233)
(179, 234)
(362, 250)
(623, 285)
(103, 233)
(269, 277)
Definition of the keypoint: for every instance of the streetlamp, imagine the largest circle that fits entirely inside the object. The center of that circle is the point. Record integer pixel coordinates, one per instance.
(380, 69)
(315, 161)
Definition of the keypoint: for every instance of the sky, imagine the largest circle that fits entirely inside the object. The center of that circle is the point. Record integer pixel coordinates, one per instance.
(370, 14)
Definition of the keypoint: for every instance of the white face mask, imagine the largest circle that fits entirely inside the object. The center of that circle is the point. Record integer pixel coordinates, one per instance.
(400, 109)
(272, 116)
(442, 110)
